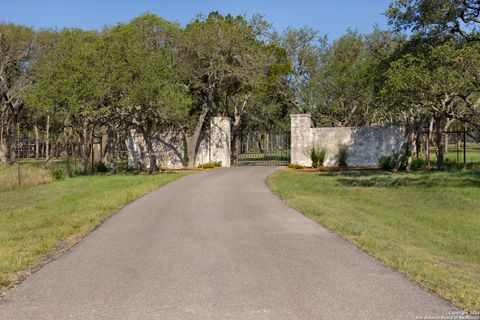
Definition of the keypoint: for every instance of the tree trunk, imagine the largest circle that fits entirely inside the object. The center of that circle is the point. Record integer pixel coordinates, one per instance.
(239, 111)
(91, 150)
(13, 142)
(152, 159)
(84, 138)
(192, 140)
(236, 145)
(446, 143)
(440, 148)
(3, 143)
(235, 139)
(3, 151)
(413, 143)
(409, 140)
(47, 138)
(443, 124)
(111, 149)
(37, 138)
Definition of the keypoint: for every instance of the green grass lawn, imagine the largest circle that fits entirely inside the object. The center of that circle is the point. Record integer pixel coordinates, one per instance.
(426, 225)
(472, 154)
(33, 221)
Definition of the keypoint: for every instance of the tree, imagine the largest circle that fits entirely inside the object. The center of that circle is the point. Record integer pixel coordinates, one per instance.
(145, 82)
(222, 63)
(438, 19)
(68, 86)
(16, 53)
(341, 81)
(436, 84)
(272, 100)
(305, 50)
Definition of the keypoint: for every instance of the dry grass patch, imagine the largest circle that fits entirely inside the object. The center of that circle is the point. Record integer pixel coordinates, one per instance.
(28, 176)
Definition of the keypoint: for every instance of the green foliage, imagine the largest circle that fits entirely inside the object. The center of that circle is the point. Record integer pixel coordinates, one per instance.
(418, 163)
(343, 153)
(154, 76)
(101, 167)
(58, 173)
(211, 165)
(295, 166)
(389, 162)
(317, 155)
(437, 19)
(386, 162)
(412, 222)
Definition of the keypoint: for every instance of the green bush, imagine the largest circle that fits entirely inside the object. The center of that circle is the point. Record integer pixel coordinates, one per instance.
(58, 173)
(418, 163)
(342, 155)
(389, 162)
(317, 155)
(295, 166)
(210, 165)
(101, 167)
(386, 162)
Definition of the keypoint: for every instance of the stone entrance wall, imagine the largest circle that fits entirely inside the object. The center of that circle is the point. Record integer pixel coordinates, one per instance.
(171, 149)
(366, 144)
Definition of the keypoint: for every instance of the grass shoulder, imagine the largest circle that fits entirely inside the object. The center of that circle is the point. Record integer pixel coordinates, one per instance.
(36, 220)
(424, 224)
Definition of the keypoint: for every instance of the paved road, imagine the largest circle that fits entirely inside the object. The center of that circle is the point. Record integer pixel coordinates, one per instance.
(216, 245)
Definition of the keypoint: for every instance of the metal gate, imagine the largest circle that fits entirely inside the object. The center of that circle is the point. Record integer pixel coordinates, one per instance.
(262, 149)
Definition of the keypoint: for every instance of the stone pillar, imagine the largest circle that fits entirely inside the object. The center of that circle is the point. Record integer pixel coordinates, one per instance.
(220, 140)
(300, 130)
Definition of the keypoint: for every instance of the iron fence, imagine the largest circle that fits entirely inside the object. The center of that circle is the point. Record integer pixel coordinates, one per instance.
(262, 148)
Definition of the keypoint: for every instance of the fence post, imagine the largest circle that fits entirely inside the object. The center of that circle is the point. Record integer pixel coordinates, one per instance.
(457, 140)
(464, 147)
(19, 175)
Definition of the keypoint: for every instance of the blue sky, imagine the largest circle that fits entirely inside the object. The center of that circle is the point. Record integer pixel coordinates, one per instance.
(327, 16)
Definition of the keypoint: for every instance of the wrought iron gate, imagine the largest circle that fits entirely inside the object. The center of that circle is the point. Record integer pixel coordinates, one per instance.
(262, 149)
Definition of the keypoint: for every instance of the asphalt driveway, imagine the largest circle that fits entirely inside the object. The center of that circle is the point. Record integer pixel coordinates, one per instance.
(216, 245)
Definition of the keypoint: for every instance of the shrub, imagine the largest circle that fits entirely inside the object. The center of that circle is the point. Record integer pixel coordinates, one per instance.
(101, 167)
(342, 155)
(389, 162)
(317, 155)
(418, 163)
(58, 174)
(295, 166)
(210, 165)
(386, 162)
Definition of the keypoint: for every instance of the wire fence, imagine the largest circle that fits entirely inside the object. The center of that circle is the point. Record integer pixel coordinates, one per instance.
(462, 147)
(33, 149)
(38, 162)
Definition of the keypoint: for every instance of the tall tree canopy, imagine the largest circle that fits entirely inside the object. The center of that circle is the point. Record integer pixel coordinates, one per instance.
(437, 18)
(153, 76)
(17, 45)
